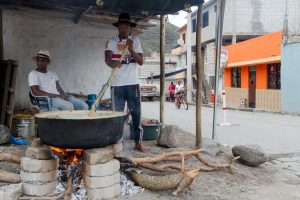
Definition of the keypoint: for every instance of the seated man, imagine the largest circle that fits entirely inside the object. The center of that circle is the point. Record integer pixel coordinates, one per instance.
(45, 83)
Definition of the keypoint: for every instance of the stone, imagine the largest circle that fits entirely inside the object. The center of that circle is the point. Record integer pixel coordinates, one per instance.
(11, 192)
(40, 153)
(39, 189)
(45, 177)
(94, 182)
(106, 169)
(251, 155)
(37, 166)
(104, 193)
(98, 156)
(168, 136)
(4, 134)
(36, 143)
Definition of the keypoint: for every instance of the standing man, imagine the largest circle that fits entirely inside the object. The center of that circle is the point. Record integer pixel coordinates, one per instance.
(125, 86)
(171, 92)
(43, 82)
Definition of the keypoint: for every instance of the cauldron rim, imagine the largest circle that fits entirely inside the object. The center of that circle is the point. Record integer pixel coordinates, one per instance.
(49, 115)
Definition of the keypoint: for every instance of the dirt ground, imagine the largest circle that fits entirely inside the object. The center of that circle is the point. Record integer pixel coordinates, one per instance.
(268, 181)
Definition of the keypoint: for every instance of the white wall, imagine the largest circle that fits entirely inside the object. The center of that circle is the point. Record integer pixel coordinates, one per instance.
(77, 50)
(251, 17)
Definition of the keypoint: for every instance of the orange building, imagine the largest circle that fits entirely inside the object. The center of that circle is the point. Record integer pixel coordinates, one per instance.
(252, 76)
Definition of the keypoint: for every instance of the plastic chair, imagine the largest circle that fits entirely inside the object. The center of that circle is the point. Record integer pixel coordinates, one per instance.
(43, 102)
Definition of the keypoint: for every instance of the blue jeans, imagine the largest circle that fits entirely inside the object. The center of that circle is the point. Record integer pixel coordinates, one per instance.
(131, 94)
(70, 104)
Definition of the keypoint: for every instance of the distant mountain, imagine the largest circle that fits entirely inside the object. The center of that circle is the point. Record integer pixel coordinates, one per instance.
(150, 39)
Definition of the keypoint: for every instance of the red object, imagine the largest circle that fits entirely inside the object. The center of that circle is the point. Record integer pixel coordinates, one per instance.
(212, 98)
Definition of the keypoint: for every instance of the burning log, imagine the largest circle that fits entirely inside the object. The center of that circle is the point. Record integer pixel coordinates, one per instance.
(69, 189)
(9, 177)
(10, 157)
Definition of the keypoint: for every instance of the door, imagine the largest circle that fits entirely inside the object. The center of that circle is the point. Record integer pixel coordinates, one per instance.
(252, 86)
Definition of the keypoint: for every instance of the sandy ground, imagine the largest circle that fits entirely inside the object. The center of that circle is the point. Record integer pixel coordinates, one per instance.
(272, 180)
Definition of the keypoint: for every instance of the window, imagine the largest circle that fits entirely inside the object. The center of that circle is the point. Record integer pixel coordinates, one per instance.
(194, 25)
(236, 77)
(183, 37)
(274, 76)
(205, 19)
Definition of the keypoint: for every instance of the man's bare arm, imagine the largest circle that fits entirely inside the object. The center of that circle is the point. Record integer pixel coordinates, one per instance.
(108, 60)
(37, 92)
(138, 57)
(60, 90)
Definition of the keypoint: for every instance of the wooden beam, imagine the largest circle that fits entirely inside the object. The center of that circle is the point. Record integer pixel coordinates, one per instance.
(162, 69)
(1, 35)
(199, 76)
(81, 13)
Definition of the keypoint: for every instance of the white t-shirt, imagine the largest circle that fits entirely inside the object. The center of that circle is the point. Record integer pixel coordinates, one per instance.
(45, 81)
(127, 73)
(179, 88)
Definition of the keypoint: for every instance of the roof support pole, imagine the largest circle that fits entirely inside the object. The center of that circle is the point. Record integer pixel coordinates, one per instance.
(162, 69)
(200, 76)
(1, 36)
(81, 13)
(218, 44)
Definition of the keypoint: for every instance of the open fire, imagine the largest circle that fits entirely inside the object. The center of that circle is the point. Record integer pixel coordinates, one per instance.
(70, 171)
(68, 156)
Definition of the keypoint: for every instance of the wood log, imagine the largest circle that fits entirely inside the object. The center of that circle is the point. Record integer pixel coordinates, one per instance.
(215, 166)
(10, 157)
(157, 182)
(9, 177)
(166, 156)
(186, 181)
(57, 197)
(69, 188)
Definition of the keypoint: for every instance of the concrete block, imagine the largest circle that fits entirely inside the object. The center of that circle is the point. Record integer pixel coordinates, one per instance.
(46, 177)
(11, 192)
(35, 189)
(38, 166)
(40, 153)
(94, 182)
(98, 156)
(118, 147)
(36, 143)
(103, 193)
(106, 169)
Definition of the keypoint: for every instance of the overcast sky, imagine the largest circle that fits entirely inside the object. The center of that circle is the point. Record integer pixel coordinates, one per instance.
(180, 20)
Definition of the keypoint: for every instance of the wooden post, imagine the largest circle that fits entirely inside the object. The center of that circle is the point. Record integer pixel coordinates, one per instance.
(1, 36)
(162, 69)
(199, 76)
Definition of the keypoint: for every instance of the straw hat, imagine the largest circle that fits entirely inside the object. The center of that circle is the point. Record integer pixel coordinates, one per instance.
(42, 54)
(124, 17)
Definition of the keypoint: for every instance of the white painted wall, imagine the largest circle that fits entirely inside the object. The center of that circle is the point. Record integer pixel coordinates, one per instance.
(77, 50)
(251, 17)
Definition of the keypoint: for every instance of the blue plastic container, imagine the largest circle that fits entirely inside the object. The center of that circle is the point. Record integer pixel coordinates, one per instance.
(92, 97)
(90, 103)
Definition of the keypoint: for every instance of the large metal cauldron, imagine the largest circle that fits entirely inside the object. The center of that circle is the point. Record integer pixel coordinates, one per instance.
(78, 130)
